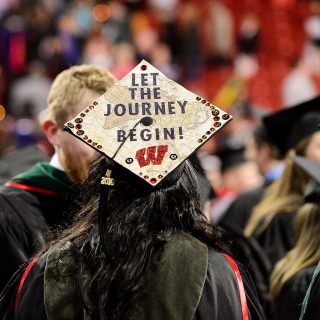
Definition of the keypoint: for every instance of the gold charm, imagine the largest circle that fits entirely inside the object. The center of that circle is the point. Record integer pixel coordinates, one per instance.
(107, 180)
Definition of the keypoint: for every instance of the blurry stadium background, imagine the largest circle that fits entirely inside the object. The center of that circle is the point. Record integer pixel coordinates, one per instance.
(249, 57)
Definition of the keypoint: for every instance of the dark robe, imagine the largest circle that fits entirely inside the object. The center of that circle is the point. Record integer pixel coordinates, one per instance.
(278, 237)
(238, 213)
(219, 296)
(311, 302)
(27, 215)
(289, 302)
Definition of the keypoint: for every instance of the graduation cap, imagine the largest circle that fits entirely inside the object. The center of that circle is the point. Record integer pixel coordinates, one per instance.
(148, 123)
(289, 126)
(231, 158)
(312, 168)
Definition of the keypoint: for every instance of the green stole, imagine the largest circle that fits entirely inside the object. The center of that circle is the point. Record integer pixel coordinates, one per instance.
(45, 176)
(175, 287)
(306, 298)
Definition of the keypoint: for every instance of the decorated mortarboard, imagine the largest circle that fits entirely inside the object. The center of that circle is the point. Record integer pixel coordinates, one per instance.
(312, 168)
(289, 126)
(148, 123)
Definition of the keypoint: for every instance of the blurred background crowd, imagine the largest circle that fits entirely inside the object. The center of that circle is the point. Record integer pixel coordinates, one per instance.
(249, 57)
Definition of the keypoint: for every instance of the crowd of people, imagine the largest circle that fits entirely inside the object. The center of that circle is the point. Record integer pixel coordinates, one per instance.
(227, 228)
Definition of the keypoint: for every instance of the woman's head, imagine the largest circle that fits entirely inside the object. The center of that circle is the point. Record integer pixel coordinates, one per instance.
(286, 193)
(139, 221)
(306, 252)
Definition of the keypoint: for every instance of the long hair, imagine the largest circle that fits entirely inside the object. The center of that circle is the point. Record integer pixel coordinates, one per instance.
(306, 252)
(140, 220)
(285, 195)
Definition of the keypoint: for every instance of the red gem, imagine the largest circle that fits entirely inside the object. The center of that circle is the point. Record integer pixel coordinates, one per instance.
(89, 141)
(153, 180)
(208, 104)
(78, 126)
(208, 132)
(143, 67)
(87, 110)
(216, 118)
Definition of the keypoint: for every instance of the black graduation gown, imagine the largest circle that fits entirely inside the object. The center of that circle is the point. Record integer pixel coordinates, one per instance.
(238, 213)
(278, 237)
(26, 215)
(219, 301)
(312, 310)
(289, 302)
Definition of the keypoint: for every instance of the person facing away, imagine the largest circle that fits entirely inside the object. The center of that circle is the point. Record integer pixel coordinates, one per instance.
(292, 275)
(260, 149)
(36, 200)
(140, 247)
(271, 221)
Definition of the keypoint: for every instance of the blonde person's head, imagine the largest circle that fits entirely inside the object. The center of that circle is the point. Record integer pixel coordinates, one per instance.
(306, 252)
(285, 195)
(71, 85)
(72, 91)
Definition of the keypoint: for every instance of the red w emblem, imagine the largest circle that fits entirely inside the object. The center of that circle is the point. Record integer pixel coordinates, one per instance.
(148, 155)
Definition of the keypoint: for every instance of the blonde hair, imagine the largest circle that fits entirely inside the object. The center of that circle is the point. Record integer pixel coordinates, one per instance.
(70, 86)
(285, 195)
(306, 252)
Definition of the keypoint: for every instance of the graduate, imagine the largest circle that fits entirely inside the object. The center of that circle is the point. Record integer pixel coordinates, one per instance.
(38, 199)
(140, 247)
(293, 274)
(260, 149)
(295, 132)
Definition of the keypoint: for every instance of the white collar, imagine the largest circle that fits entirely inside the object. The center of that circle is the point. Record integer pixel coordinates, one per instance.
(55, 162)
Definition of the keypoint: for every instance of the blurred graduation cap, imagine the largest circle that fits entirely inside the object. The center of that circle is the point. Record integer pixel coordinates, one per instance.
(312, 168)
(289, 126)
(148, 123)
(231, 158)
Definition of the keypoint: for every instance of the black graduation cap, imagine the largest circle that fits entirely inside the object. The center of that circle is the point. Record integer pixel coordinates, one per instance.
(231, 158)
(289, 126)
(312, 168)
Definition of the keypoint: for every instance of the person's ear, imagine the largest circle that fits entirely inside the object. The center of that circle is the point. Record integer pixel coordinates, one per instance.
(51, 130)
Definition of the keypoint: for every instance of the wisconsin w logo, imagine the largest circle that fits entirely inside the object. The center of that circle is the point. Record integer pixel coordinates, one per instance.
(151, 155)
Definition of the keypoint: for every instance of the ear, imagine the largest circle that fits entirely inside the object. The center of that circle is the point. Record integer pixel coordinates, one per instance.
(51, 130)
